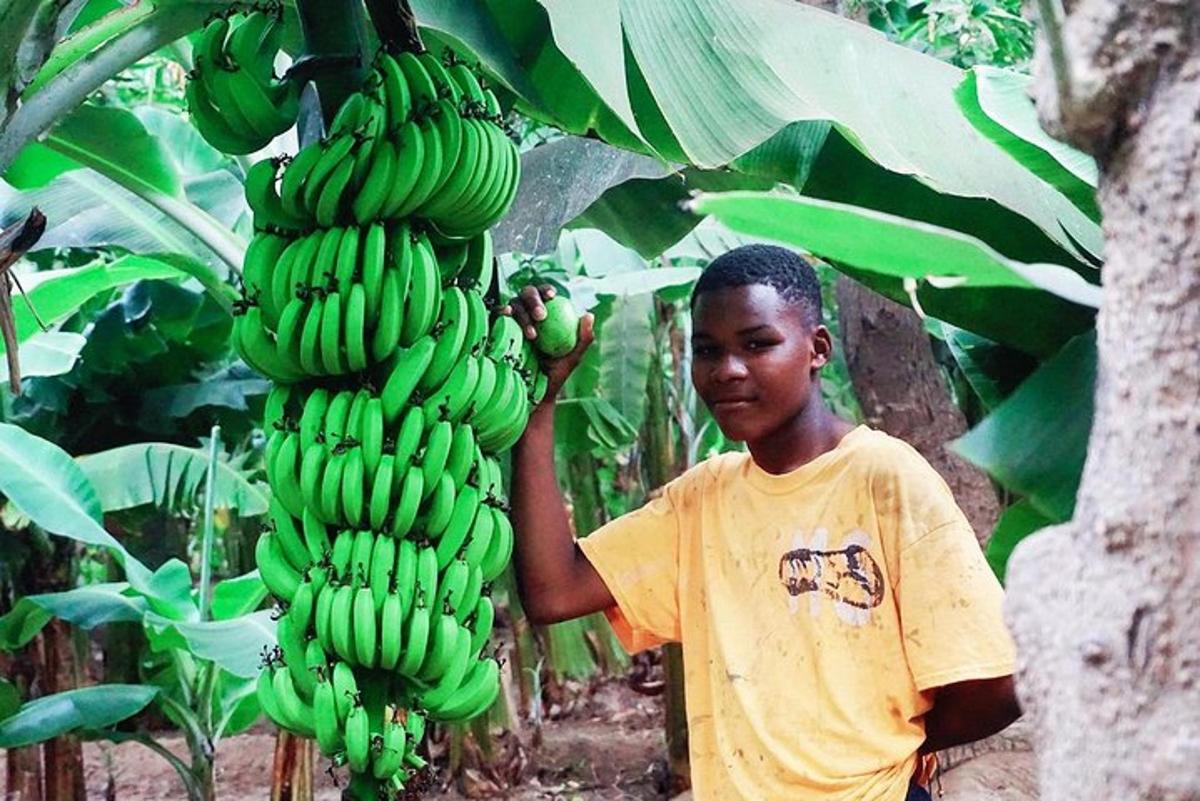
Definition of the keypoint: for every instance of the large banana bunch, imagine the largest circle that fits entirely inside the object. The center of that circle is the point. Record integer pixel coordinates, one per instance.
(234, 98)
(397, 386)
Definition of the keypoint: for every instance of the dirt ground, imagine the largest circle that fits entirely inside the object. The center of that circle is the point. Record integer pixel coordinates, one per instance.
(610, 747)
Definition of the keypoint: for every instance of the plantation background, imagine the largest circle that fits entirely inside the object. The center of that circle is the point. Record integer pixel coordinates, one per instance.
(897, 142)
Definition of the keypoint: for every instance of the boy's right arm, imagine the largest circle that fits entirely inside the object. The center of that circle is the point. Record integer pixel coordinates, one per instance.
(556, 581)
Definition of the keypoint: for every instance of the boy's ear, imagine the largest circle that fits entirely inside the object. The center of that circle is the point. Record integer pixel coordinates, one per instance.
(822, 347)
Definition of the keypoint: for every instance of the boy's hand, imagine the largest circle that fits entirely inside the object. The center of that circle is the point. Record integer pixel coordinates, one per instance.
(528, 308)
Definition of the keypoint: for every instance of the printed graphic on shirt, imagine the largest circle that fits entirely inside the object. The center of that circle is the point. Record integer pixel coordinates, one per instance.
(848, 576)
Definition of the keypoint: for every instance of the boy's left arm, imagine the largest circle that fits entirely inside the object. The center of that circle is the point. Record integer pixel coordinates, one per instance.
(969, 710)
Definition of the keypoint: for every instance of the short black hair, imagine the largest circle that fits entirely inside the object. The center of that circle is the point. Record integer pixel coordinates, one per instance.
(787, 272)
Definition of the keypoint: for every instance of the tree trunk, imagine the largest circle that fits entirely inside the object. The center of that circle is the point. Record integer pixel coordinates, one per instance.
(661, 464)
(1106, 609)
(902, 391)
(23, 766)
(291, 774)
(62, 756)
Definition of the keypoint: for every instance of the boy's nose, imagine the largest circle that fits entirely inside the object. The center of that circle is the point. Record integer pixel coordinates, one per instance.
(729, 368)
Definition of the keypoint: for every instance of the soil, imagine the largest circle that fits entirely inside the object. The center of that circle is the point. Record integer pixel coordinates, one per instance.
(609, 747)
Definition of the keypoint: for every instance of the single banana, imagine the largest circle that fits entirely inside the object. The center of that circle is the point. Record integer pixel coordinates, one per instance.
(396, 92)
(370, 199)
(406, 575)
(290, 541)
(424, 93)
(462, 454)
(476, 695)
(437, 449)
(408, 439)
(439, 507)
(409, 502)
(356, 328)
(330, 334)
(453, 586)
(287, 482)
(316, 536)
(499, 550)
(353, 491)
(410, 163)
(382, 487)
(480, 539)
(443, 638)
(431, 168)
(450, 401)
(404, 371)
(451, 332)
(310, 342)
(358, 739)
(416, 641)
(312, 471)
(391, 631)
(462, 518)
(341, 622)
(323, 617)
(345, 690)
(470, 596)
(325, 718)
(391, 318)
(383, 567)
(481, 626)
(458, 663)
(366, 636)
(360, 559)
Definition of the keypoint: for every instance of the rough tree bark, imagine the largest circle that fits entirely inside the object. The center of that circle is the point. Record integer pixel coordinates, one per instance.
(1106, 609)
(902, 391)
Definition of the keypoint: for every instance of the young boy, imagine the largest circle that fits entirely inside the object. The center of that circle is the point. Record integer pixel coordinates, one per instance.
(838, 620)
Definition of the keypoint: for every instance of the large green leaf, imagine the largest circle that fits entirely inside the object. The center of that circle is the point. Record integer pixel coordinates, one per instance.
(235, 645)
(1036, 441)
(87, 708)
(725, 75)
(47, 353)
(627, 351)
(51, 489)
(57, 294)
(237, 596)
(884, 252)
(993, 371)
(890, 245)
(997, 102)
(1018, 522)
(88, 210)
(86, 607)
(114, 142)
(169, 476)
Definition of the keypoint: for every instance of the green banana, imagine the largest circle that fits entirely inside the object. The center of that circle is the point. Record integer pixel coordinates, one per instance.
(345, 690)
(416, 641)
(383, 567)
(462, 518)
(482, 531)
(410, 163)
(443, 638)
(470, 595)
(312, 418)
(341, 622)
(366, 636)
(437, 449)
(356, 328)
(264, 201)
(330, 334)
(396, 91)
(458, 663)
(391, 318)
(452, 333)
(316, 536)
(481, 626)
(406, 575)
(353, 487)
(462, 454)
(331, 488)
(499, 550)
(451, 400)
(424, 93)
(323, 616)
(477, 693)
(287, 485)
(382, 486)
(439, 507)
(411, 489)
(408, 440)
(358, 739)
(391, 631)
(370, 199)
(372, 435)
(290, 541)
(479, 270)
(453, 585)
(325, 718)
(404, 371)
(360, 559)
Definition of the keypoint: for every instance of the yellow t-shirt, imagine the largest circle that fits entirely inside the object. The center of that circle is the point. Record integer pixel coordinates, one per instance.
(815, 608)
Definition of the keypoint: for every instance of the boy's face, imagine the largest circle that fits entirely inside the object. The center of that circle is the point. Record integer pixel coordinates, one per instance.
(755, 359)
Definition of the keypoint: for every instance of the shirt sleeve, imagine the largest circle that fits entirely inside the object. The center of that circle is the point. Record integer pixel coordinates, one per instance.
(950, 603)
(637, 557)
(951, 610)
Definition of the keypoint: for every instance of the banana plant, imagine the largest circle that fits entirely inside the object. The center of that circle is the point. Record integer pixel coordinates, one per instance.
(203, 647)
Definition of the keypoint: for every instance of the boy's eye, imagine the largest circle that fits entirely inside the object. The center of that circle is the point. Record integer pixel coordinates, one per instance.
(759, 344)
(704, 351)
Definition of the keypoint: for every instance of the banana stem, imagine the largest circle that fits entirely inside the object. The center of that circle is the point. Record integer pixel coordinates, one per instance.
(396, 24)
(330, 29)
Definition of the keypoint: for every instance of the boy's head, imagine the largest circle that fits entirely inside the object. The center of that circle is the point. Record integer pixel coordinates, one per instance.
(757, 339)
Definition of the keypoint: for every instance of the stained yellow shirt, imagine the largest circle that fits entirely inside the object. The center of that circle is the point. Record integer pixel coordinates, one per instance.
(816, 610)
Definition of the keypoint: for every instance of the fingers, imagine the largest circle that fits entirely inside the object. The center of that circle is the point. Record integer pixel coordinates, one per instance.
(587, 335)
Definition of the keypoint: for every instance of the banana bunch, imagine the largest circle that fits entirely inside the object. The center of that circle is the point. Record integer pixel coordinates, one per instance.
(396, 388)
(419, 140)
(234, 98)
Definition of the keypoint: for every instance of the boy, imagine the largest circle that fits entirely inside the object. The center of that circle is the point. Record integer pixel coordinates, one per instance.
(838, 620)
